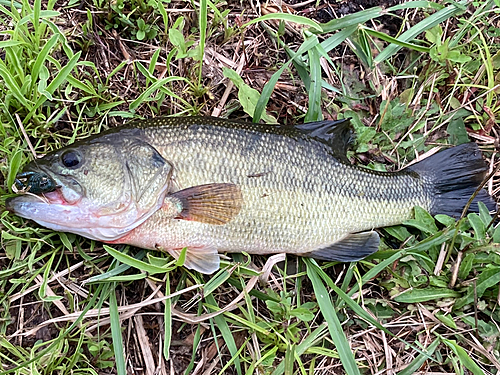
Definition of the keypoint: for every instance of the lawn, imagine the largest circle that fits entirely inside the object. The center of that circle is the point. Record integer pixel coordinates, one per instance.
(412, 76)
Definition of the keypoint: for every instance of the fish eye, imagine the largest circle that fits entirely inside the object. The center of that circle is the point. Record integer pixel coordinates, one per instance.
(71, 159)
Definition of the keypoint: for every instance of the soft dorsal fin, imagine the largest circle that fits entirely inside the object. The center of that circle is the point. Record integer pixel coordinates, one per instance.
(337, 134)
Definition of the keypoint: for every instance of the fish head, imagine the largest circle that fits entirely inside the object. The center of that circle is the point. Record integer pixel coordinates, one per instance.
(100, 188)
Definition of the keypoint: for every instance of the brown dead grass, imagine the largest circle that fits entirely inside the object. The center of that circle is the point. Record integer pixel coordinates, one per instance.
(252, 54)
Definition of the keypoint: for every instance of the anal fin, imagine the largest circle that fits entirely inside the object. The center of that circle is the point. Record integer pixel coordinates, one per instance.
(351, 248)
(204, 259)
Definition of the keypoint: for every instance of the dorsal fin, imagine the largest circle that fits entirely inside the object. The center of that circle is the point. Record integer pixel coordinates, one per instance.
(337, 134)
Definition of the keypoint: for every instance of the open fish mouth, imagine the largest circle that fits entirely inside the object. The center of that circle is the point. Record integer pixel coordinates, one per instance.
(47, 209)
(51, 210)
(15, 204)
(80, 216)
(38, 188)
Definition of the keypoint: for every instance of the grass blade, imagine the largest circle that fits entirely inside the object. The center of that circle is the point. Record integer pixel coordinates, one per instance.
(335, 40)
(416, 4)
(427, 294)
(196, 342)
(14, 165)
(216, 281)
(269, 86)
(330, 315)
(396, 41)
(131, 261)
(116, 333)
(12, 85)
(167, 316)
(42, 292)
(463, 356)
(427, 23)
(203, 8)
(314, 108)
(221, 323)
(60, 78)
(352, 19)
(287, 17)
(417, 363)
(10, 43)
(152, 65)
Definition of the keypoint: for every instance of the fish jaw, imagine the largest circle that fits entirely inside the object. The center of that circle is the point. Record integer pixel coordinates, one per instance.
(53, 211)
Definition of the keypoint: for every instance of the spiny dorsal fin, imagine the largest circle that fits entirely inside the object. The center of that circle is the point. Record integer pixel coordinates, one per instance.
(216, 203)
(337, 134)
(351, 248)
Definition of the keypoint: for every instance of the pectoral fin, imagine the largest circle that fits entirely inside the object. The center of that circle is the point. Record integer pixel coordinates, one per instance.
(212, 203)
(352, 248)
(204, 259)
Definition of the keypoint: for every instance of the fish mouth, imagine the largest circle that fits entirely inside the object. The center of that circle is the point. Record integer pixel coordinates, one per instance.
(27, 203)
(40, 182)
(53, 210)
(66, 206)
(62, 209)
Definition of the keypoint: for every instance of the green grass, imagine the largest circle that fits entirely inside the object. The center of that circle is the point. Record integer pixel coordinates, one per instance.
(427, 301)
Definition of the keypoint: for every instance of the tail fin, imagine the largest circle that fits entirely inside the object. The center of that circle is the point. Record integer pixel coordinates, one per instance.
(455, 174)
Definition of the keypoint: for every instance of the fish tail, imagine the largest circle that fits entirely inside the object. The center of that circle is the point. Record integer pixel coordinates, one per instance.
(454, 175)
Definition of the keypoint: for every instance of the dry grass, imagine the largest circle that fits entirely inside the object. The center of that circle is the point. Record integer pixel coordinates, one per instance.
(252, 53)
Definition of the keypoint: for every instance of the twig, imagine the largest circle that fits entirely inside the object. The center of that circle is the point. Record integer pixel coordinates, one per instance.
(99, 313)
(20, 123)
(479, 188)
(298, 5)
(147, 354)
(456, 268)
(441, 258)
(217, 111)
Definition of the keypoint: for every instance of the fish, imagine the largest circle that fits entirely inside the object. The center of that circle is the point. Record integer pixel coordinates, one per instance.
(207, 186)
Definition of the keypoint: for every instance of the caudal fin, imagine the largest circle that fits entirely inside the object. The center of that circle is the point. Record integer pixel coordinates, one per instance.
(455, 174)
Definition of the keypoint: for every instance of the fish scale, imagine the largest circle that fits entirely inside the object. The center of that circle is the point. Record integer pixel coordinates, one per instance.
(303, 199)
(209, 185)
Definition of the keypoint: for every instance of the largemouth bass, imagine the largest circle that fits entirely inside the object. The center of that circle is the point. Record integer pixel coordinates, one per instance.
(212, 185)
